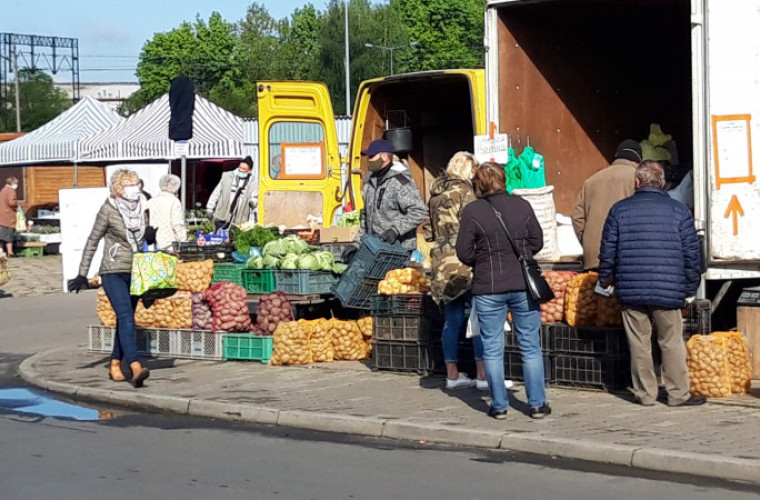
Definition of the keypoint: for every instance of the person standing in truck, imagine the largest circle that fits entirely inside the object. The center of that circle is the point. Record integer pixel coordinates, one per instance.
(393, 207)
(650, 253)
(598, 194)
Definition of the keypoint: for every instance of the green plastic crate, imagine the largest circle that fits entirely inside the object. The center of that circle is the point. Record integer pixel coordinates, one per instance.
(258, 280)
(247, 347)
(228, 272)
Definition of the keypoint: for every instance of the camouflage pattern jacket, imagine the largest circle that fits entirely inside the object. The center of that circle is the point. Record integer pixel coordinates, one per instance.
(451, 278)
(392, 201)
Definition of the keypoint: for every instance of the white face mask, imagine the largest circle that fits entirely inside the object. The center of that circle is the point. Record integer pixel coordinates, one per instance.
(14, 186)
(131, 193)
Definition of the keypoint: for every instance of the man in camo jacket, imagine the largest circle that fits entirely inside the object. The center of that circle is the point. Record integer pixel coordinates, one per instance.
(393, 207)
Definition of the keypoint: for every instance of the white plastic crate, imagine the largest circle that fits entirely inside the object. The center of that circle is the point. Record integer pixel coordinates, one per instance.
(190, 344)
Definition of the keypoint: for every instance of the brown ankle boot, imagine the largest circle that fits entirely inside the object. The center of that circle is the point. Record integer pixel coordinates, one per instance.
(139, 374)
(114, 371)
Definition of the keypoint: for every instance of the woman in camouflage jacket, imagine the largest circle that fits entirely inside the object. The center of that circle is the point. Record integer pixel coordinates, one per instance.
(452, 279)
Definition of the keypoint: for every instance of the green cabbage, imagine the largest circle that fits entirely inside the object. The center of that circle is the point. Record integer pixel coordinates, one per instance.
(255, 263)
(309, 261)
(269, 261)
(290, 261)
(338, 268)
(325, 260)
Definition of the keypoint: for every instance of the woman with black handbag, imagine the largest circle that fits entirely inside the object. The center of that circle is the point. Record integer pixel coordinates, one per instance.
(493, 230)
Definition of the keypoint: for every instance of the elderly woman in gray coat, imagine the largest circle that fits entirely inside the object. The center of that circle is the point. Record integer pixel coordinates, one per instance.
(166, 213)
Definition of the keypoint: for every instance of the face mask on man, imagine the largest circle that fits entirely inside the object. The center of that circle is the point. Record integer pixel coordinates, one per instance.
(375, 165)
(132, 193)
(14, 186)
(243, 175)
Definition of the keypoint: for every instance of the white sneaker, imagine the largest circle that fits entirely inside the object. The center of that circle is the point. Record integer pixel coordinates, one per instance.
(482, 385)
(463, 382)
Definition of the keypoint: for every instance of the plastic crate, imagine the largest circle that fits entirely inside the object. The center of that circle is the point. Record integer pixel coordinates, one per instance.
(248, 347)
(189, 251)
(610, 341)
(258, 281)
(228, 272)
(696, 318)
(355, 294)
(100, 338)
(513, 366)
(375, 258)
(197, 344)
(402, 356)
(336, 249)
(404, 304)
(304, 282)
(510, 339)
(403, 328)
(155, 341)
(591, 372)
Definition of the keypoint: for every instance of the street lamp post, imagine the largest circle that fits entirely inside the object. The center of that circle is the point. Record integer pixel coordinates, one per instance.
(391, 49)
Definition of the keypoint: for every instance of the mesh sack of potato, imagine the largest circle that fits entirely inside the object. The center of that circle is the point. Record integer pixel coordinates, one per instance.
(203, 319)
(406, 280)
(292, 344)
(195, 276)
(365, 325)
(709, 373)
(320, 339)
(273, 309)
(106, 314)
(229, 306)
(609, 311)
(175, 312)
(554, 310)
(739, 363)
(580, 300)
(348, 341)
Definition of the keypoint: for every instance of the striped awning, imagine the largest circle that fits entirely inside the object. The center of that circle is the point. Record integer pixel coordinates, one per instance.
(56, 141)
(145, 135)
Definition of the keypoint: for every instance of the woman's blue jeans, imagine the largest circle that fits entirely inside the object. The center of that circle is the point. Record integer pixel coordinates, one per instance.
(454, 319)
(116, 286)
(526, 315)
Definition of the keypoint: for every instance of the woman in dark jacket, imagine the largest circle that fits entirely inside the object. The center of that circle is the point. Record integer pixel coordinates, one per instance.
(122, 224)
(498, 282)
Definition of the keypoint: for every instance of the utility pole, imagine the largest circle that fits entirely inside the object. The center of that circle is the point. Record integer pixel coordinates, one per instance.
(14, 54)
(348, 64)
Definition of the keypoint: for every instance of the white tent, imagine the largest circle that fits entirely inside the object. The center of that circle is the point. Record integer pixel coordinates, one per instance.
(58, 140)
(145, 135)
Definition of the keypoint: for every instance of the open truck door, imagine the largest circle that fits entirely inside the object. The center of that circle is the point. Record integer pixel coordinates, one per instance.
(299, 161)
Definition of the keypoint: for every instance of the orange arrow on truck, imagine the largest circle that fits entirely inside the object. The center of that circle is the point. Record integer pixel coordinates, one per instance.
(735, 209)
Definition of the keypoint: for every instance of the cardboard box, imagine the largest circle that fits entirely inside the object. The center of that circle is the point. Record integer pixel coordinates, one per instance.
(337, 234)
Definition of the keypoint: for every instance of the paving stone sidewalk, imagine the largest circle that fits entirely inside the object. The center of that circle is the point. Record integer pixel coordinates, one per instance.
(33, 276)
(716, 440)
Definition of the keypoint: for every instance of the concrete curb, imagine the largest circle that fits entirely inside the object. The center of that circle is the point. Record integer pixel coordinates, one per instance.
(704, 465)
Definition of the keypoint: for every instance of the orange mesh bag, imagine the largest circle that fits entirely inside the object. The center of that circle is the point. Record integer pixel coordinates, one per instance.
(738, 361)
(581, 302)
(709, 371)
(292, 344)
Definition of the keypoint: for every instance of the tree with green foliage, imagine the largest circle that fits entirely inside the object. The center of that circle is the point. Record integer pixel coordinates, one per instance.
(40, 101)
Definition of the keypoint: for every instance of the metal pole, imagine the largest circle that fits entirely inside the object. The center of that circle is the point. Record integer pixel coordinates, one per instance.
(348, 65)
(18, 97)
(183, 175)
(76, 175)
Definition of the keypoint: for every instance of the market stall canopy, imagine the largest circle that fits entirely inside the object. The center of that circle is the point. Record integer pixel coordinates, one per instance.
(57, 140)
(145, 135)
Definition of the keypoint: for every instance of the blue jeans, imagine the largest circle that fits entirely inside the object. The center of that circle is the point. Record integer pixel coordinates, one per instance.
(492, 313)
(116, 286)
(453, 321)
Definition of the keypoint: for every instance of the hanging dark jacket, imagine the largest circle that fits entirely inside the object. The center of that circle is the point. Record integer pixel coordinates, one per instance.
(483, 245)
(650, 247)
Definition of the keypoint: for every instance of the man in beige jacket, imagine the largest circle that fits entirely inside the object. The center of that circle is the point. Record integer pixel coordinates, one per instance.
(599, 193)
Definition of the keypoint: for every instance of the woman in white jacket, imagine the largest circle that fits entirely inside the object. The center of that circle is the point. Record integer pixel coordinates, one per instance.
(166, 213)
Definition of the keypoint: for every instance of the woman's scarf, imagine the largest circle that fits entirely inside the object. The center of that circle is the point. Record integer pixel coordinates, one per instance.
(132, 215)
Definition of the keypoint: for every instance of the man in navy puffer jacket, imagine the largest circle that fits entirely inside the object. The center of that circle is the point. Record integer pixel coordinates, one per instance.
(650, 252)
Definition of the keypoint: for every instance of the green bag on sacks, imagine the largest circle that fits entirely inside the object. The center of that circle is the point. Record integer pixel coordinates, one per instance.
(532, 169)
(154, 275)
(512, 171)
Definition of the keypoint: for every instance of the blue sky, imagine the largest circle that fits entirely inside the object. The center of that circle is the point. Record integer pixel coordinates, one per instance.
(112, 33)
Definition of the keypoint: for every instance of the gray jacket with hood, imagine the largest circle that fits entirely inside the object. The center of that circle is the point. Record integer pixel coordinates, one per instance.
(118, 243)
(392, 201)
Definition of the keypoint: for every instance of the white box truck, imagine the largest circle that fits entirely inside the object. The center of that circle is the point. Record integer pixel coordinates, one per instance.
(575, 77)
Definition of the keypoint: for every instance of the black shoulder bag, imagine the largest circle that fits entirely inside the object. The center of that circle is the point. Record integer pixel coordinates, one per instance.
(538, 288)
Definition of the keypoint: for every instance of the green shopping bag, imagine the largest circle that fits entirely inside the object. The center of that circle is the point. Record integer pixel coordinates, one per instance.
(154, 275)
(512, 171)
(532, 169)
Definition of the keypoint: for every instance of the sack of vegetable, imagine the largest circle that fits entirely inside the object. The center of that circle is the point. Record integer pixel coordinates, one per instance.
(320, 339)
(554, 310)
(195, 276)
(229, 304)
(738, 358)
(170, 312)
(292, 345)
(709, 371)
(348, 341)
(203, 319)
(273, 309)
(106, 314)
(365, 325)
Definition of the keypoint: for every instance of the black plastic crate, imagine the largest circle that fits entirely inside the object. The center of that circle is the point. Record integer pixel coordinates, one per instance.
(609, 341)
(336, 249)
(403, 304)
(592, 372)
(510, 338)
(513, 366)
(189, 251)
(400, 356)
(406, 328)
(375, 258)
(353, 293)
(696, 318)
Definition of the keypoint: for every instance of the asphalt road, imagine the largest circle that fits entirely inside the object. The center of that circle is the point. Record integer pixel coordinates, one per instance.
(167, 456)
